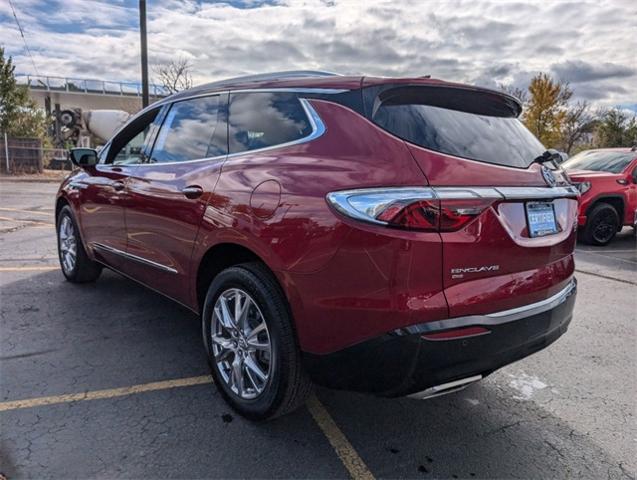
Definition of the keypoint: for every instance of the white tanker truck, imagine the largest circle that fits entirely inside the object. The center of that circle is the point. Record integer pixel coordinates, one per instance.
(102, 124)
(90, 128)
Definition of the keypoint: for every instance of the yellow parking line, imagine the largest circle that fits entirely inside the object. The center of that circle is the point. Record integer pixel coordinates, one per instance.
(7, 209)
(345, 451)
(100, 394)
(43, 268)
(339, 442)
(17, 220)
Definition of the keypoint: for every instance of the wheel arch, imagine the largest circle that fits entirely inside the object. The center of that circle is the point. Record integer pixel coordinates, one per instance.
(219, 257)
(60, 203)
(615, 200)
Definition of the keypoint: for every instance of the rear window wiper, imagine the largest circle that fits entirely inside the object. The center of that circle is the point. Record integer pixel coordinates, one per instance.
(551, 155)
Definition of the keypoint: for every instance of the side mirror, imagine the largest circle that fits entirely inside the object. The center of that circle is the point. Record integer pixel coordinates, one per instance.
(83, 157)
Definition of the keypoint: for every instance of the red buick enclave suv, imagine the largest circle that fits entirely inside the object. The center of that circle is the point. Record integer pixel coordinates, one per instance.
(394, 236)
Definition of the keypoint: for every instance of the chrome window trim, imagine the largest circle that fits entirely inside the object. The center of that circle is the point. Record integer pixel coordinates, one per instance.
(135, 258)
(185, 162)
(318, 129)
(496, 318)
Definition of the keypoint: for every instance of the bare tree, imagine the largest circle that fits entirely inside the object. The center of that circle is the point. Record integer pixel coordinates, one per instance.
(520, 93)
(174, 75)
(575, 125)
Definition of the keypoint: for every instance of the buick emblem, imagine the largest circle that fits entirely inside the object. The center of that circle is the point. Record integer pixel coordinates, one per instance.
(549, 176)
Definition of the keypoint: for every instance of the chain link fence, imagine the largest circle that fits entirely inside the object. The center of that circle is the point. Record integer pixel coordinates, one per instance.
(20, 156)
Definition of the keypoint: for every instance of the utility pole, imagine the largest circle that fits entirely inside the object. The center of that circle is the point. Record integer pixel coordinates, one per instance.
(142, 31)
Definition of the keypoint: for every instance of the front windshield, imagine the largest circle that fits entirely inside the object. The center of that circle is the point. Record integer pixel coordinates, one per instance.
(600, 161)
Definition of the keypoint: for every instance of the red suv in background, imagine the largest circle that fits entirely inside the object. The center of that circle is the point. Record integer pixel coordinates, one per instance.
(607, 180)
(394, 236)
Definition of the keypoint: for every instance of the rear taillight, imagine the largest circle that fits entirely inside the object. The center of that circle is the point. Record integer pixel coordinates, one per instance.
(456, 213)
(424, 209)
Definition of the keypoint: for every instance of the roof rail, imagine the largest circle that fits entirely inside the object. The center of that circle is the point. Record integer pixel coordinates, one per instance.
(271, 76)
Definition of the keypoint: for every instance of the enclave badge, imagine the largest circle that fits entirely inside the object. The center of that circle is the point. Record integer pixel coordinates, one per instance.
(459, 272)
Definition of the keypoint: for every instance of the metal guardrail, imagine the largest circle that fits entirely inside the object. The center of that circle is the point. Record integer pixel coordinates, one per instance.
(83, 85)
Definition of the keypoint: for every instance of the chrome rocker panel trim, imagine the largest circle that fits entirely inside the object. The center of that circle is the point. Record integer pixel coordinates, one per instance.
(135, 258)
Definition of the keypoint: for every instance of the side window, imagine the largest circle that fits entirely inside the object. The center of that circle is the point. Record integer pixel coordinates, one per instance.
(260, 120)
(128, 146)
(192, 129)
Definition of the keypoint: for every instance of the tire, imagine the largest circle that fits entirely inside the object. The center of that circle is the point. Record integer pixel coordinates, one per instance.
(602, 225)
(82, 269)
(287, 385)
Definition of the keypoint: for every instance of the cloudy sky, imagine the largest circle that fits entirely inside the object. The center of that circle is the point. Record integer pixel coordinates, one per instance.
(591, 44)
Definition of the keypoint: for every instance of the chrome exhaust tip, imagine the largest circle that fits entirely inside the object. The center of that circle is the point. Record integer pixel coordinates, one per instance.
(445, 388)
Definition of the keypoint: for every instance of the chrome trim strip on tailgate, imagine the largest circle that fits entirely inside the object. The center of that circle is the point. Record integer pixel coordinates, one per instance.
(523, 193)
(496, 318)
(506, 193)
(135, 258)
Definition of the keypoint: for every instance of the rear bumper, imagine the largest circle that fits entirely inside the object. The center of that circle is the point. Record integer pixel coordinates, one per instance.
(415, 358)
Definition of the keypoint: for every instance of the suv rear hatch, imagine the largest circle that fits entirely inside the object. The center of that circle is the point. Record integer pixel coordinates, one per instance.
(507, 223)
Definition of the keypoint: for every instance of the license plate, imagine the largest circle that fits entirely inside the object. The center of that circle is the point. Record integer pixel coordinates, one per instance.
(541, 219)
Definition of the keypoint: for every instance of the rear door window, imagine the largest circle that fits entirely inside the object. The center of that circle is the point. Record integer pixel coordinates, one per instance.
(471, 125)
(265, 119)
(192, 129)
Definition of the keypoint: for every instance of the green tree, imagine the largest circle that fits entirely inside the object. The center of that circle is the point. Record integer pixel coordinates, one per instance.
(616, 129)
(546, 108)
(19, 114)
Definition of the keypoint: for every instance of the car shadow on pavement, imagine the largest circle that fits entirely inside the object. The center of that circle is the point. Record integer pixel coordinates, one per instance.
(62, 338)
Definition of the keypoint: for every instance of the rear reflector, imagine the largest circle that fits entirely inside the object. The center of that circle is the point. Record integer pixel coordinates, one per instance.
(457, 333)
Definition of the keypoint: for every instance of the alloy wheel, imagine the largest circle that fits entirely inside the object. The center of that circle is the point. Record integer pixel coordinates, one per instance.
(68, 245)
(241, 344)
(604, 227)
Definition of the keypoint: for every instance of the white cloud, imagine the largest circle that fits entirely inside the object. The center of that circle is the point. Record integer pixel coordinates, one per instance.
(482, 41)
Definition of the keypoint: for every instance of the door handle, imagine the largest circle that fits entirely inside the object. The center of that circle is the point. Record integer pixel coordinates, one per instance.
(192, 191)
(118, 186)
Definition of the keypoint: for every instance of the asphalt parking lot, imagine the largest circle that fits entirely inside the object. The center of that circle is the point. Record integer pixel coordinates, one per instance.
(110, 380)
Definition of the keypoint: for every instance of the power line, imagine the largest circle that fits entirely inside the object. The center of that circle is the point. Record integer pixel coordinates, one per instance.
(26, 46)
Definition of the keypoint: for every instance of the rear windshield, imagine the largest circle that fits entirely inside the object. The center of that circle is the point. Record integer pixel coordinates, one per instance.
(487, 133)
(599, 161)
